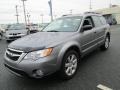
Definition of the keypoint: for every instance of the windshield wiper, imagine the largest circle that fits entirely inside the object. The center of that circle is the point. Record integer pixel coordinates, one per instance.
(53, 31)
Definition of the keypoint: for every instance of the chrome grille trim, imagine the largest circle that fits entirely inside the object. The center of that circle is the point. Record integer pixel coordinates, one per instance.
(13, 54)
(15, 50)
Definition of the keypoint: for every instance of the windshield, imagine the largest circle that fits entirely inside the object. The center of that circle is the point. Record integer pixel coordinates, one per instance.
(67, 24)
(17, 27)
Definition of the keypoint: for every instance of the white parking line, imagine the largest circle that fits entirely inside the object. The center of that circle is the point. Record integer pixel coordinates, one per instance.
(102, 87)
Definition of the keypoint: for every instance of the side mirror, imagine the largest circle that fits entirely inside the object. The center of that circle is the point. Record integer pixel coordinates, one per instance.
(87, 27)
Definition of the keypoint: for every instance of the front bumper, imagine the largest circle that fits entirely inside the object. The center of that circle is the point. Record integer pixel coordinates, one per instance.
(35, 69)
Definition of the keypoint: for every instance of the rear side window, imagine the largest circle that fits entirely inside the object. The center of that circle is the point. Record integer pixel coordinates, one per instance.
(102, 19)
(97, 21)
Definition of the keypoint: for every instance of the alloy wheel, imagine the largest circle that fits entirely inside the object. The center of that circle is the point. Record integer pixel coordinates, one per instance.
(71, 65)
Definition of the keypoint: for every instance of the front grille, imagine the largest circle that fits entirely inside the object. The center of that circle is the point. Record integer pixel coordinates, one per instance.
(13, 54)
(12, 51)
(14, 33)
(15, 37)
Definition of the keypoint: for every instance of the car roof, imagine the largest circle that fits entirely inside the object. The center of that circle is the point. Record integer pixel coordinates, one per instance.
(83, 15)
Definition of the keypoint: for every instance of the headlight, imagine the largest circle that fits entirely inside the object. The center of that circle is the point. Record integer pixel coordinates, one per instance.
(38, 54)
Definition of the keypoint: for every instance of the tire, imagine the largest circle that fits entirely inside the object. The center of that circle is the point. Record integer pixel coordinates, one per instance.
(106, 44)
(0, 37)
(69, 65)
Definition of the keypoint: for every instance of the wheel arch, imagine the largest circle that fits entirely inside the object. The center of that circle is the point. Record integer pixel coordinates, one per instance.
(69, 46)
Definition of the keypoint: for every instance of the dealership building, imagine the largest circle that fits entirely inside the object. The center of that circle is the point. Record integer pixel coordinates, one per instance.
(113, 11)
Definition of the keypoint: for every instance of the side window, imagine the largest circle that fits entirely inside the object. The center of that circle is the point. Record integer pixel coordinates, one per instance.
(97, 21)
(103, 20)
(88, 21)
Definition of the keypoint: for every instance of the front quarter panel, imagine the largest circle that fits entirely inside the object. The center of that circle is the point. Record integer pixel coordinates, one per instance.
(63, 50)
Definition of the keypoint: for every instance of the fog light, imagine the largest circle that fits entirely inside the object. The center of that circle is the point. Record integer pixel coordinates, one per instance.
(39, 73)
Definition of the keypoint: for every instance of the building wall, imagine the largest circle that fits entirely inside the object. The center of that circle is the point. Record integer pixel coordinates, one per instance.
(117, 16)
(113, 10)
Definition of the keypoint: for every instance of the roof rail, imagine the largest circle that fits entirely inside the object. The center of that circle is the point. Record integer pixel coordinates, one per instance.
(66, 15)
(91, 13)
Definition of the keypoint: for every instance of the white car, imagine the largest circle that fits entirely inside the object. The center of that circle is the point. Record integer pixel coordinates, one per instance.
(15, 31)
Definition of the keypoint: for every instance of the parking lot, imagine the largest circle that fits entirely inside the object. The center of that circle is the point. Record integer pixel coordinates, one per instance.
(96, 68)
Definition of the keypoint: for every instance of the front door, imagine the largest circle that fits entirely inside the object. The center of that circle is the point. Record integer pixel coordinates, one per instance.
(87, 36)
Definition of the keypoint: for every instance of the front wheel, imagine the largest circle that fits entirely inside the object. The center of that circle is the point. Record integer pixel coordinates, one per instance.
(106, 44)
(0, 37)
(69, 65)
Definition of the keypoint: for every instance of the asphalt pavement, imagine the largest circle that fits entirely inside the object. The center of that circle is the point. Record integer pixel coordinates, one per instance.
(96, 70)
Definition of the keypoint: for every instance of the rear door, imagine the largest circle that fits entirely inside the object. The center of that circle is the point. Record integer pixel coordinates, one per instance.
(99, 29)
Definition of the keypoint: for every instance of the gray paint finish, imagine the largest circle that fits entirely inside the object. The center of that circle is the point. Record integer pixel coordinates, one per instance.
(85, 41)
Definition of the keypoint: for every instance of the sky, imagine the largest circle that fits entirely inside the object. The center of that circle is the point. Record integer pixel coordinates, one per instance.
(38, 7)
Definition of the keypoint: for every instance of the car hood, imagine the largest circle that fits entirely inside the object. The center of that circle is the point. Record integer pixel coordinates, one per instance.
(16, 31)
(40, 40)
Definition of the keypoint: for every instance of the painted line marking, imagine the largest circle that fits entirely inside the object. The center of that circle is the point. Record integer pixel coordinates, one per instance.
(103, 87)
